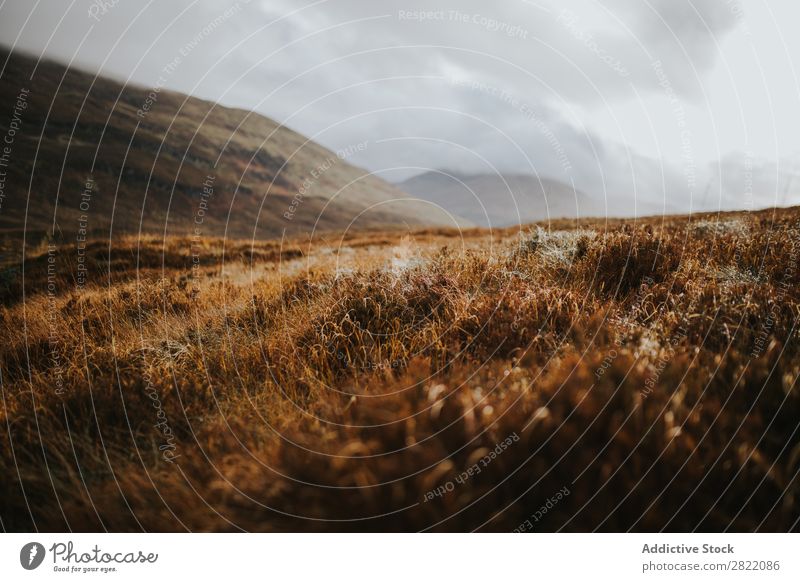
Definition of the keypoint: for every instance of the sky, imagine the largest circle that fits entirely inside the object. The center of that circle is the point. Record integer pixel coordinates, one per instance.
(683, 104)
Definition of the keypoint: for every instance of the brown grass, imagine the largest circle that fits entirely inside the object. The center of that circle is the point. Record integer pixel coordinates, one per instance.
(650, 368)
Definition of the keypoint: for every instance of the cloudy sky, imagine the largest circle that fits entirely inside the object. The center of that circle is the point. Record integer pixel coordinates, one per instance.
(689, 104)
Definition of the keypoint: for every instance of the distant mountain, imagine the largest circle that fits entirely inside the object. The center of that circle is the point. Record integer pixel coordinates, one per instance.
(87, 154)
(494, 200)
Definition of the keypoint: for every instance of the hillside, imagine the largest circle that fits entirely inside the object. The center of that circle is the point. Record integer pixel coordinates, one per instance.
(497, 201)
(95, 155)
(504, 200)
(614, 376)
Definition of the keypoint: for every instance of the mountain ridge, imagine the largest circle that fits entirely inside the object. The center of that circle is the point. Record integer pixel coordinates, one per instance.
(149, 155)
(499, 200)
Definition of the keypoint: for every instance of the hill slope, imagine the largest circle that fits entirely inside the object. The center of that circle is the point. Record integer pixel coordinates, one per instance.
(494, 200)
(94, 154)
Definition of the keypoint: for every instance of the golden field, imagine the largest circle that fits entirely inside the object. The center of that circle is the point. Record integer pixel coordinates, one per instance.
(608, 375)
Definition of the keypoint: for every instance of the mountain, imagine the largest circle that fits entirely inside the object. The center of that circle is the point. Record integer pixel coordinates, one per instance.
(90, 155)
(501, 200)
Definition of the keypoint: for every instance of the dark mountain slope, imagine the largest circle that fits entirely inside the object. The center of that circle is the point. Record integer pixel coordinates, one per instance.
(96, 156)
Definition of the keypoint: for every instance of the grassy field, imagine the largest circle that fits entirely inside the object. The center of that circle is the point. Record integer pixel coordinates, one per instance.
(611, 375)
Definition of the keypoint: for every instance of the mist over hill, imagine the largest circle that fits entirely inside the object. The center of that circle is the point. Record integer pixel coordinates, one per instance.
(502, 200)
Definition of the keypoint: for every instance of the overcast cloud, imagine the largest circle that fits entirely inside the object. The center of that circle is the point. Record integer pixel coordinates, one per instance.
(688, 104)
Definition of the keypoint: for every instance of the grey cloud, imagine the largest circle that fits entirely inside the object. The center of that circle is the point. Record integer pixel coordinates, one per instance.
(682, 34)
(741, 180)
(448, 77)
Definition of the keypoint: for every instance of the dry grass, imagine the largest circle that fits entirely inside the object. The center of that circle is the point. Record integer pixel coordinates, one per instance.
(651, 368)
